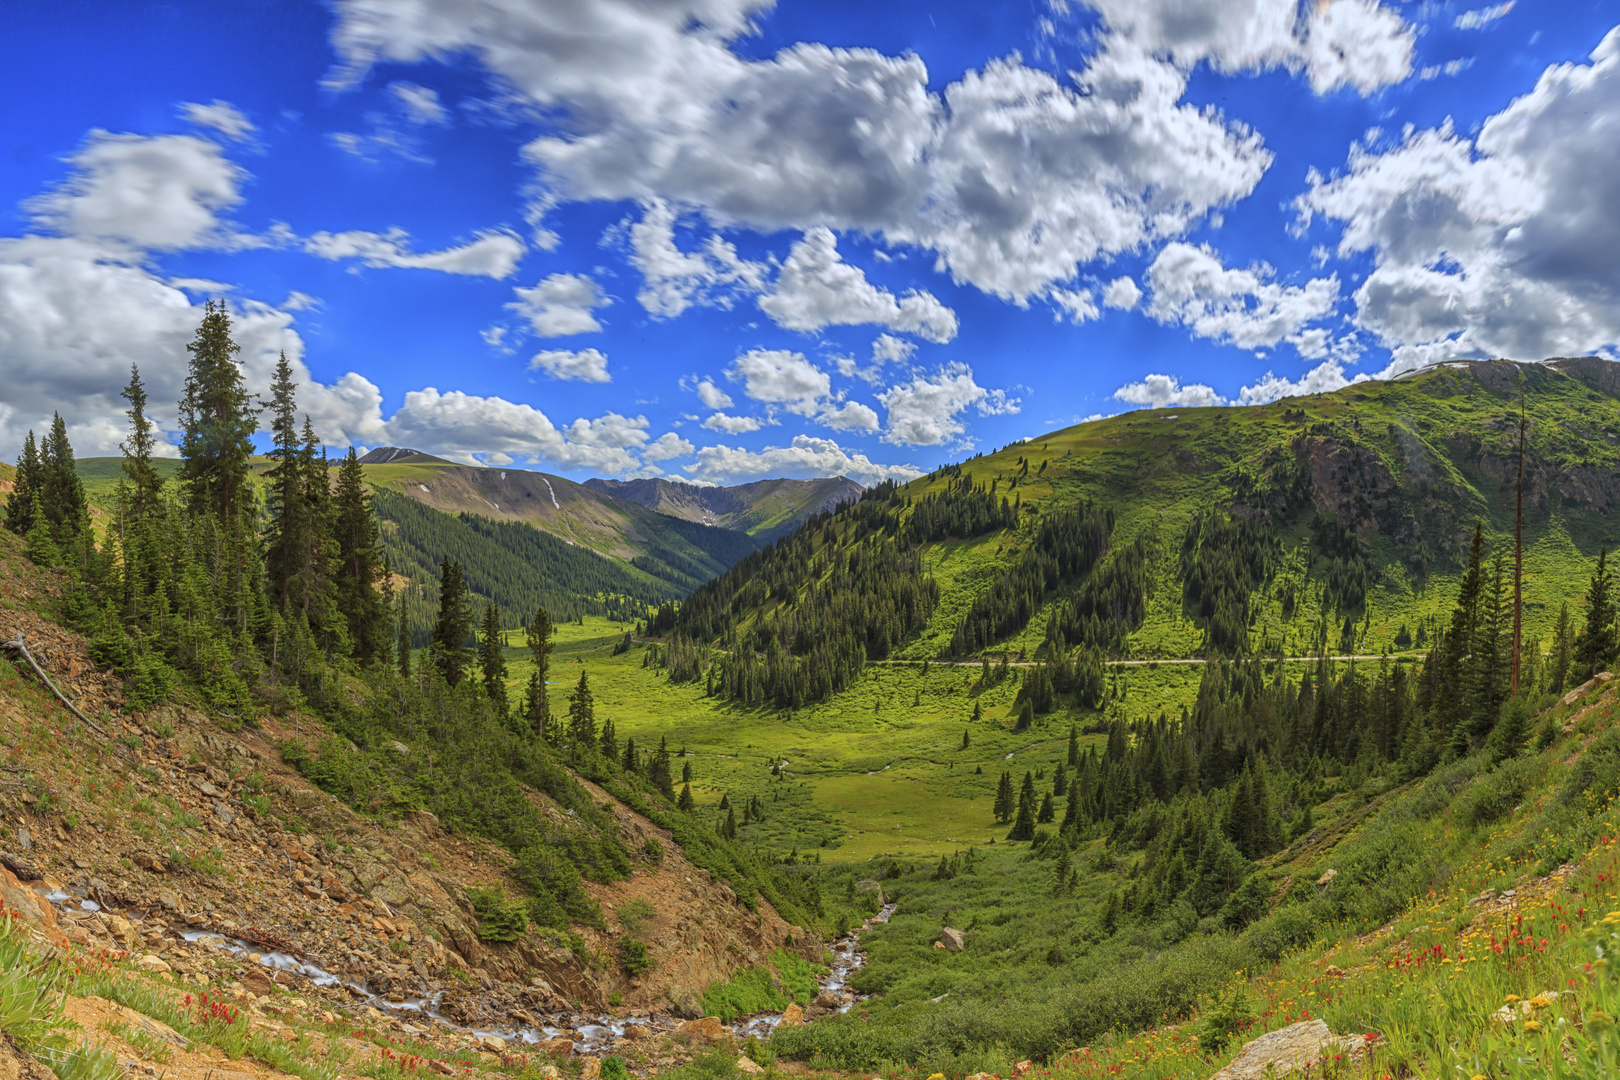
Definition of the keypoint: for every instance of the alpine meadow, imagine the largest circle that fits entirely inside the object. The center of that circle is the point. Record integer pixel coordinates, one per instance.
(755, 540)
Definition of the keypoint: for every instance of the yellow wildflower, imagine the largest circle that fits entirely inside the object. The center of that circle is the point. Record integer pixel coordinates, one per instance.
(1532, 1025)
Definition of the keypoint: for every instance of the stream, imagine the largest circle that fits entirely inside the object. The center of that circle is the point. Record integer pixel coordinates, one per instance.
(591, 1033)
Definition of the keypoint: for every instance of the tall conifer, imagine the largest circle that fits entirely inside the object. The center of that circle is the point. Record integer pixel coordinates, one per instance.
(218, 421)
(21, 502)
(1595, 647)
(492, 659)
(449, 648)
(360, 565)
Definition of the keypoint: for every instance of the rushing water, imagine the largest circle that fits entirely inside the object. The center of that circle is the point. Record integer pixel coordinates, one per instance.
(595, 1032)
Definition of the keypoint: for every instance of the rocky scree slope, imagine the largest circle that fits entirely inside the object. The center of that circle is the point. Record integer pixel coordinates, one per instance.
(173, 827)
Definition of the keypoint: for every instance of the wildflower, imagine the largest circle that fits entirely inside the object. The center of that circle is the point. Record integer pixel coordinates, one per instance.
(1532, 1025)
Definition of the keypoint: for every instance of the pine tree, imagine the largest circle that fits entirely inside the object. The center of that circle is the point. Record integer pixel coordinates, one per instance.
(686, 802)
(1595, 646)
(360, 565)
(1026, 716)
(632, 760)
(582, 713)
(729, 829)
(21, 503)
(1488, 675)
(538, 633)
(492, 660)
(1563, 652)
(1074, 747)
(964, 740)
(659, 771)
(217, 417)
(287, 543)
(61, 492)
(978, 712)
(608, 740)
(1046, 812)
(686, 770)
(449, 647)
(1024, 827)
(315, 593)
(1003, 808)
(403, 647)
(145, 484)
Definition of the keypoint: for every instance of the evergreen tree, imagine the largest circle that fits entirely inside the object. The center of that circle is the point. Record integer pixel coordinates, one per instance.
(1046, 812)
(659, 771)
(1487, 685)
(686, 802)
(218, 421)
(360, 566)
(686, 770)
(21, 503)
(608, 741)
(1003, 808)
(403, 648)
(1024, 827)
(492, 660)
(39, 545)
(287, 540)
(316, 593)
(978, 712)
(61, 493)
(582, 713)
(1026, 716)
(1563, 652)
(729, 829)
(146, 486)
(1074, 747)
(538, 633)
(449, 650)
(632, 761)
(964, 740)
(1595, 646)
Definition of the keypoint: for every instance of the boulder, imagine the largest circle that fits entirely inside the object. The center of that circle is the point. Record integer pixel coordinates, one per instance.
(792, 1016)
(705, 1029)
(555, 1047)
(27, 904)
(1286, 1050)
(952, 939)
(1581, 691)
(589, 1068)
(152, 963)
(748, 1066)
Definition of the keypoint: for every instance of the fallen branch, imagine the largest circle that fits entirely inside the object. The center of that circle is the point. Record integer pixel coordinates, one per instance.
(19, 648)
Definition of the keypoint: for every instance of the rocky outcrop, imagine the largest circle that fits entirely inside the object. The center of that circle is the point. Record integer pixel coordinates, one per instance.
(1292, 1049)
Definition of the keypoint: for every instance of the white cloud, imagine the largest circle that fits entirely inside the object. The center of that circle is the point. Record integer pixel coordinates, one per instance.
(164, 193)
(383, 139)
(1481, 17)
(732, 425)
(817, 288)
(1122, 294)
(1356, 43)
(560, 305)
(221, 116)
(1162, 391)
(465, 428)
(666, 447)
(888, 349)
(1190, 287)
(1322, 379)
(494, 254)
(419, 103)
(926, 411)
(712, 396)
(1080, 305)
(674, 280)
(300, 301)
(1506, 245)
(850, 416)
(780, 377)
(807, 456)
(586, 365)
(1011, 177)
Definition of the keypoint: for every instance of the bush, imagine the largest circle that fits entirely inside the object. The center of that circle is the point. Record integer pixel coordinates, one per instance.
(633, 956)
(500, 918)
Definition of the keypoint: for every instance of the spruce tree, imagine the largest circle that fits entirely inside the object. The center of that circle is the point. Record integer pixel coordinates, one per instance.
(403, 647)
(1046, 812)
(729, 829)
(449, 650)
(218, 421)
(607, 741)
(1487, 685)
(632, 761)
(61, 492)
(1595, 646)
(1026, 716)
(538, 633)
(492, 660)
(964, 740)
(978, 712)
(286, 542)
(360, 565)
(1003, 808)
(582, 713)
(686, 770)
(146, 485)
(1024, 827)
(686, 802)
(21, 503)
(1563, 652)
(659, 771)
(315, 593)
(1074, 746)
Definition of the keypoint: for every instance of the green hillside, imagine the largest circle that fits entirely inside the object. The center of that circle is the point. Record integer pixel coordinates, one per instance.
(765, 509)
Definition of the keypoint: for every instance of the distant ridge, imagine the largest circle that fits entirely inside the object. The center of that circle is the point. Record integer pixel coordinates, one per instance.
(401, 455)
(764, 509)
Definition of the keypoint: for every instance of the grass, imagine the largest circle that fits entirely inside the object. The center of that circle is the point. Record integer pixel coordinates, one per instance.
(763, 988)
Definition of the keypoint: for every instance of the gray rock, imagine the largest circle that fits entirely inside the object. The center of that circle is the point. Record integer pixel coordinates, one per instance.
(952, 940)
(223, 813)
(1286, 1050)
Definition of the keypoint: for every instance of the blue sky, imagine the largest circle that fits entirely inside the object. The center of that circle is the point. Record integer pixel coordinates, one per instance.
(723, 239)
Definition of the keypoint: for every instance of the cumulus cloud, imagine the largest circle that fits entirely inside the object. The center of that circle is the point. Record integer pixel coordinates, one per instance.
(494, 254)
(926, 411)
(732, 425)
(467, 428)
(1322, 379)
(1504, 245)
(420, 104)
(807, 456)
(1244, 308)
(1010, 176)
(300, 301)
(711, 395)
(1162, 391)
(888, 349)
(1078, 304)
(780, 377)
(220, 116)
(674, 280)
(667, 447)
(1356, 43)
(849, 416)
(160, 193)
(586, 365)
(560, 305)
(817, 288)
(1122, 293)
